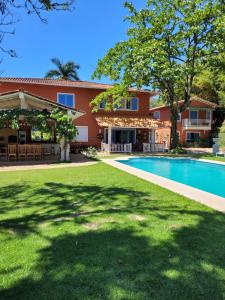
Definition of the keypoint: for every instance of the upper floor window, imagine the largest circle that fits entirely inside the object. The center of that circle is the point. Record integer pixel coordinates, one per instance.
(156, 114)
(129, 104)
(102, 105)
(66, 99)
(193, 114)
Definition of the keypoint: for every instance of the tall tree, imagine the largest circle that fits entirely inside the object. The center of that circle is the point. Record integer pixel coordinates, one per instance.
(167, 44)
(67, 71)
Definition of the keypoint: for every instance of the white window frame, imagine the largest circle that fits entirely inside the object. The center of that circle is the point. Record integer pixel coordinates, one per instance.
(84, 141)
(61, 93)
(179, 120)
(124, 105)
(157, 111)
(199, 132)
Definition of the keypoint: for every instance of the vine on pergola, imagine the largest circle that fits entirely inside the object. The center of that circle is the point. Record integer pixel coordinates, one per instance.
(64, 126)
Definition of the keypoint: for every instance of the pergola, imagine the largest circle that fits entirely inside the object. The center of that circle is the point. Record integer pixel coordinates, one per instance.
(21, 99)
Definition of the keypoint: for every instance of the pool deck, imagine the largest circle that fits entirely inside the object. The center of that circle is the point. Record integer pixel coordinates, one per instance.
(208, 199)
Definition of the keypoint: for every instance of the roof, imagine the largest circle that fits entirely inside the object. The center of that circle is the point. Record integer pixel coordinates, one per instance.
(128, 122)
(7, 96)
(195, 98)
(66, 83)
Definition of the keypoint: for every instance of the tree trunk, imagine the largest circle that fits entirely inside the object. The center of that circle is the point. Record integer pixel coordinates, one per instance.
(173, 136)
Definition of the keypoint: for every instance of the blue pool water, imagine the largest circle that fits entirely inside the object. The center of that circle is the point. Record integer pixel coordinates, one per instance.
(205, 176)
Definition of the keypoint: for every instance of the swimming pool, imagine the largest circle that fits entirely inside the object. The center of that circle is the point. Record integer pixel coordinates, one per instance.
(209, 177)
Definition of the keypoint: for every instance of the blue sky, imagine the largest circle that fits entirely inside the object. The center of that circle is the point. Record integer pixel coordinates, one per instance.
(83, 35)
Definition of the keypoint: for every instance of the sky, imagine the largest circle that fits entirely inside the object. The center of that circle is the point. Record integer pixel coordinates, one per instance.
(83, 35)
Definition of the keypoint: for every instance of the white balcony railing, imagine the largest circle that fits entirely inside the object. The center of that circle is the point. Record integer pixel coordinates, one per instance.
(190, 123)
(123, 148)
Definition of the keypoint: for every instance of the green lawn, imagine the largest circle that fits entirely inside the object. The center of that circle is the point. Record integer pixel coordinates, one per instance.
(95, 232)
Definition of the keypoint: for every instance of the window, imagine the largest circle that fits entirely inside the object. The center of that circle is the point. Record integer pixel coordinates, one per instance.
(66, 99)
(193, 114)
(179, 117)
(156, 115)
(208, 115)
(128, 104)
(193, 137)
(82, 134)
(102, 105)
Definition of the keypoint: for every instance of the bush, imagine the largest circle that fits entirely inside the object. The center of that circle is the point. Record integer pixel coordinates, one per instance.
(178, 150)
(90, 152)
(222, 136)
(79, 148)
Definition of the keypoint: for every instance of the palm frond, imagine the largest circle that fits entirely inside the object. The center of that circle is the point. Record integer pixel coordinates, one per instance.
(53, 74)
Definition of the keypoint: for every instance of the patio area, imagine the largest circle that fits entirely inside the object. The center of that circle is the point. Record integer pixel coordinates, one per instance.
(28, 132)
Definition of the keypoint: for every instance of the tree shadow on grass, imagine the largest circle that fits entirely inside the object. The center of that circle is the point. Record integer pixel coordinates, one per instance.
(57, 202)
(122, 264)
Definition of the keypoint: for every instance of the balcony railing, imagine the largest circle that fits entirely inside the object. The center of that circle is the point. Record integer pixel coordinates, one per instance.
(190, 123)
(126, 148)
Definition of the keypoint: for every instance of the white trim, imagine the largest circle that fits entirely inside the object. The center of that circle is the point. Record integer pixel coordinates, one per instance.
(61, 93)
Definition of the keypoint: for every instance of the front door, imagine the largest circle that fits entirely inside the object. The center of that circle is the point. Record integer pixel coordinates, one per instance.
(123, 136)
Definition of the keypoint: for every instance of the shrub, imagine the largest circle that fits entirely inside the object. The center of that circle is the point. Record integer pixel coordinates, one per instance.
(222, 136)
(178, 150)
(90, 152)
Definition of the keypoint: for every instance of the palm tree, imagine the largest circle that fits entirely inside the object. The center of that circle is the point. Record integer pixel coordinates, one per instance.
(67, 71)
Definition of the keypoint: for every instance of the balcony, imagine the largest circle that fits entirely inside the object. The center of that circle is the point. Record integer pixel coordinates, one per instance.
(204, 124)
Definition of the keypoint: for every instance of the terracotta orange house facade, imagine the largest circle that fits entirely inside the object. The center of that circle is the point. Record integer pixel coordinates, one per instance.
(194, 125)
(132, 124)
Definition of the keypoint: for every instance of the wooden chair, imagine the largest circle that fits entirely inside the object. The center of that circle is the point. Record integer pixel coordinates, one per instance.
(38, 152)
(3, 153)
(30, 152)
(12, 151)
(47, 151)
(22, 152)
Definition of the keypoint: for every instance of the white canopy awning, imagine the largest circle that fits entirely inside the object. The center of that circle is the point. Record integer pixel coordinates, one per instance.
(26, 100)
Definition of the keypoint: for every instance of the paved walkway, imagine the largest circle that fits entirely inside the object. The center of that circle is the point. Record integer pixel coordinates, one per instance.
(77, 161)
(208, 199)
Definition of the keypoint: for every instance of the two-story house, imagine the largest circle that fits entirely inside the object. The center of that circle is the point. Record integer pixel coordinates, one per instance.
(193, 125)
(123, 130)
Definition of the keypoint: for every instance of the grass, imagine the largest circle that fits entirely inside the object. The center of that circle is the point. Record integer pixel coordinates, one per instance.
(95, 232)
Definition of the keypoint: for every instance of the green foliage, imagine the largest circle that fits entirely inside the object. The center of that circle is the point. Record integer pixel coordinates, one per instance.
(210, 85)
(67, 71)
(64, 124)
(90, 152)
(33, 118)
(40, 119)
(111, 97)
(178, 150)
(222, 136)
(167, 45)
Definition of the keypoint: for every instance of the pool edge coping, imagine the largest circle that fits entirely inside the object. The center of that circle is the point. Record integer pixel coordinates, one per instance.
(208, 199)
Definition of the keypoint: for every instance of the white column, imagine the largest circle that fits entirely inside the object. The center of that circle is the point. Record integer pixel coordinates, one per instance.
(109, 137)
(64, 150)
